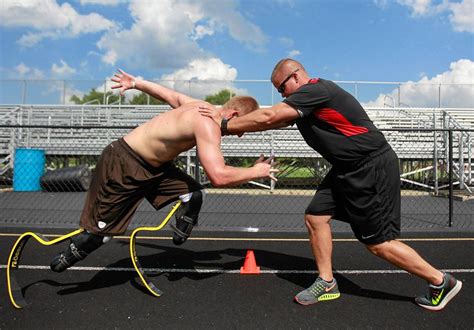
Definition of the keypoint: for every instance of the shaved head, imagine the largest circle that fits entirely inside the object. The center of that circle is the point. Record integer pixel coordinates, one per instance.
(286, 65)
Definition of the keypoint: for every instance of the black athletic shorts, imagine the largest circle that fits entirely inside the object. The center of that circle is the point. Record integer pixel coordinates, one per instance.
(366, 196)
(121, 180)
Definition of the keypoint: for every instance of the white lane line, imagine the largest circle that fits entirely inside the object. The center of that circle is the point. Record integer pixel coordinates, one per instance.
(231, 271)
(268, 239)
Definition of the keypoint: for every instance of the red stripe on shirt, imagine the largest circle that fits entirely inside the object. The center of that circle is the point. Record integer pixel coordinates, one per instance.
(339, 122)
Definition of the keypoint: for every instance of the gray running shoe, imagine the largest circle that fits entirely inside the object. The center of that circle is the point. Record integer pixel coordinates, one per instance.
(319, 291)
(437, 297)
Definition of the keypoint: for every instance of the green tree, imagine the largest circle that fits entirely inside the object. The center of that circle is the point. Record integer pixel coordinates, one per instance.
(220, 98)
(95, 96)
(142, 98)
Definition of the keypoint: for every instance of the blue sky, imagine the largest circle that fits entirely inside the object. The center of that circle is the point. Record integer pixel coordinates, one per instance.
(343, 40)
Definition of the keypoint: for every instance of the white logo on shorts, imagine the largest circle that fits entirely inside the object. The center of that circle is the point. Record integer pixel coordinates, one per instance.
(367, 237)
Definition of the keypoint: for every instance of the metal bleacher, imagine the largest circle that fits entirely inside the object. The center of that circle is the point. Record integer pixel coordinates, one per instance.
(418, 142)
(287, 142)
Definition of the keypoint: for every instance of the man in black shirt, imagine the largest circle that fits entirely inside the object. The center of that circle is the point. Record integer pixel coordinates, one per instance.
(362, 188)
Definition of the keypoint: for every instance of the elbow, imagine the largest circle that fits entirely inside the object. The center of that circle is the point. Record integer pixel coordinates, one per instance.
(219, 180)
(218, 184)
(267, 118)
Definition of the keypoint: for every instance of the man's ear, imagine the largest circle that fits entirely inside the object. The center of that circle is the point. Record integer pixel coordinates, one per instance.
(232, 114)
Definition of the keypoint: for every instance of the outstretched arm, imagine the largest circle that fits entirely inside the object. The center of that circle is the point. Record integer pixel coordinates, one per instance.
(127, 81)
(208, 139)
(280, 115)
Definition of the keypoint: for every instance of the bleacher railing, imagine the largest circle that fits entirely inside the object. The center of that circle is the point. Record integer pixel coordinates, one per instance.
(395, 94)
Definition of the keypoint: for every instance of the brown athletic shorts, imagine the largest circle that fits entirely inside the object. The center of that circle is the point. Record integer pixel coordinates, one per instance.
(121, 180)
(366, 196)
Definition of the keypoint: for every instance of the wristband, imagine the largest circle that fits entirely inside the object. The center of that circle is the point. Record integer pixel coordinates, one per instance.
(134, 82)
(224, 130)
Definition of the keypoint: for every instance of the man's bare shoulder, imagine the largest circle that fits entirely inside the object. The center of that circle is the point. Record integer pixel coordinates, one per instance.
(194, 105)
(190, 112)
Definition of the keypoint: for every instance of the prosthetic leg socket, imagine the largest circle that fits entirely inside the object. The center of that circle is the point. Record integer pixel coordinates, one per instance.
(187, 216)
(79, 248)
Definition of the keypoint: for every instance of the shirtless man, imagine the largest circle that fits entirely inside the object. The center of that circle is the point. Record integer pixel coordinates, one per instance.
(139, 166)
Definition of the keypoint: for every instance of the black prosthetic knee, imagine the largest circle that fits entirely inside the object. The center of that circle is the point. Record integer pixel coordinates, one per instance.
(80, 247)
(187, 217)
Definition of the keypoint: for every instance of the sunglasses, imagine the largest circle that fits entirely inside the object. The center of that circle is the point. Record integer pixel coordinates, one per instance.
(281, 88)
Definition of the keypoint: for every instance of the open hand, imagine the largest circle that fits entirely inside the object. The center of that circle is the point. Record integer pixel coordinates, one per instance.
(124, 81)
(266, 166)
(208, 110)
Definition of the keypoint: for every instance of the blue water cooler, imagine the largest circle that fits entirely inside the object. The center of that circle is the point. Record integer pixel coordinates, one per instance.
(28, 167)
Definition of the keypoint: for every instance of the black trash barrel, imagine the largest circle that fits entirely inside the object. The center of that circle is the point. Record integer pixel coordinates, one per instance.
(76, 178)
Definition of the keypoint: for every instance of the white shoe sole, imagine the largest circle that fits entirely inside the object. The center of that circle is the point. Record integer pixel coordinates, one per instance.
(447, 299)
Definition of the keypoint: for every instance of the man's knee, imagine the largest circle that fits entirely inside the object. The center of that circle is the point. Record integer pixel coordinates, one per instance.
(314, 221)
(379, 249)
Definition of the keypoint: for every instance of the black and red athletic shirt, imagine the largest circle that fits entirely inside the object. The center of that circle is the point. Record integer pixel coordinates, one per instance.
(334, 123)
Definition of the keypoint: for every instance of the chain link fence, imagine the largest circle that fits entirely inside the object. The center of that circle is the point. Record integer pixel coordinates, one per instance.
(46, 171)
(370, 93)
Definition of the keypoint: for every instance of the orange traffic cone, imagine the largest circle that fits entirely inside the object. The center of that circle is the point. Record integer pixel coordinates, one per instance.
(250, 265)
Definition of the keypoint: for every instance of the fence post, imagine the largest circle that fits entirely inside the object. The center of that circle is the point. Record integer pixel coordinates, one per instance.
(196, 167)
(461, 160)
(435, 155)
(272, 153)
(64, 92)
(399, 94)
(188, 162)
(104, 101)
(450, 137)
(469, 158)
(439, 96)
(23, 94)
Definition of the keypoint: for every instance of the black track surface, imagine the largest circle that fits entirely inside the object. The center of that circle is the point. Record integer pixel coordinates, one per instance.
(107, 299)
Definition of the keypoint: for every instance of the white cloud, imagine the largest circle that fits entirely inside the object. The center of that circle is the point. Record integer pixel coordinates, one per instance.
(418, 7)
(24, 71)
(381, 3)
(424, 93)
(164, 33)
(294, 53)
(62, 70)
(239, 28)
(159, 37)
(202, 77)
(31, 38)
(287, 42)
(461, 14)
(204, 69)
(200, 31)
(49, 19)
(100, 2)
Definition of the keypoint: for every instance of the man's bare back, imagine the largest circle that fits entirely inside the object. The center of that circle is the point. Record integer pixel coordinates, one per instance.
(164, 137)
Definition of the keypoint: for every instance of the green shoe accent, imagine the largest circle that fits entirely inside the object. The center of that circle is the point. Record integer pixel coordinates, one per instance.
(320, 290)
(332, 296)
(438, 297)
